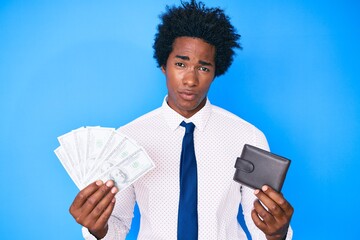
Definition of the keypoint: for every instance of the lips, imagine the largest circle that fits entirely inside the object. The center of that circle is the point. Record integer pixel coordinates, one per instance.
(187, 95)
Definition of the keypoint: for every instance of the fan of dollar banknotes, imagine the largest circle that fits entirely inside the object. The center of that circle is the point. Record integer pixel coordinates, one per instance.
(98, 153)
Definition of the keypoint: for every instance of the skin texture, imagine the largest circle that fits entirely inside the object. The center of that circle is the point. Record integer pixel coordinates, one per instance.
(93, 206)
(275, 221)
(189, 72)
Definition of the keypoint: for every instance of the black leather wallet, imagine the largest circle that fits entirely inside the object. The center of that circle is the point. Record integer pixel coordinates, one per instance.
(257, 167)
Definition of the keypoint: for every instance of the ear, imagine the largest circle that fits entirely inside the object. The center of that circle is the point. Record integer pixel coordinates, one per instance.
(163, 69)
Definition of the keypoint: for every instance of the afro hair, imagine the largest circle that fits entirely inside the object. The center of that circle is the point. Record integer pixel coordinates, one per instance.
(193, 19)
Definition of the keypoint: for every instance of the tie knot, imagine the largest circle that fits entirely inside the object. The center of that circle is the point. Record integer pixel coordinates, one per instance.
(189, 127)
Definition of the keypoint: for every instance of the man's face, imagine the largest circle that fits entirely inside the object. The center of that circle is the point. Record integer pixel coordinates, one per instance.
(189, 71)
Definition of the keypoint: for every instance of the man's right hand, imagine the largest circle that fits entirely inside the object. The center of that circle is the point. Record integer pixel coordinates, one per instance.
(93, 205)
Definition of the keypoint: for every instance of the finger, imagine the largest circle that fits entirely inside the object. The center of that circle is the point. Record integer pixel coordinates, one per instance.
(83, 195)
(95, 198)
(103, 204)
(265, 197)
(266, 216)
(257, 221)
(104, 217)
(280, 202)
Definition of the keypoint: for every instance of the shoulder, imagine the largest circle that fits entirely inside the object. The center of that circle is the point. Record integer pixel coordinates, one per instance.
(145, 120)
(228, 117)
(226, 114)
(236, 125)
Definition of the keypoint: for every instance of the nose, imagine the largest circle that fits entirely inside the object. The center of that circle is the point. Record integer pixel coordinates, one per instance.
(191, 78)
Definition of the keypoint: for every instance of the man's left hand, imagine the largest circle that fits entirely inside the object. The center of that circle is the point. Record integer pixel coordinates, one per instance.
(275, 220)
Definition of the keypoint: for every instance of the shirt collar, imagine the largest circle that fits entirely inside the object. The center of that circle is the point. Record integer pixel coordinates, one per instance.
(173, 119)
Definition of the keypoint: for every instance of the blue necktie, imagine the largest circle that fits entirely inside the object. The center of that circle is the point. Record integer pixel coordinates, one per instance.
(187, 215)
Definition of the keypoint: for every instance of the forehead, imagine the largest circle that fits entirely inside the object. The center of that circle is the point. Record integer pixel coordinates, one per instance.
(193, 48)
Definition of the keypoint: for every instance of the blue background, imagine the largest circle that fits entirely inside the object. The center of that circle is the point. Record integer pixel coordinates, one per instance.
(65, 64)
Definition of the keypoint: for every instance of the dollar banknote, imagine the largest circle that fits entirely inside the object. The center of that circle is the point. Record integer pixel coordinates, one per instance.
(70, 169)
(117, 153)
(127, 171)
(80, 136)
(97, 139)
(67, 141)
(98, 153)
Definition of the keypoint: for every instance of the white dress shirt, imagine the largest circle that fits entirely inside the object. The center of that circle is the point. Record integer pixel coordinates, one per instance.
(219, 138)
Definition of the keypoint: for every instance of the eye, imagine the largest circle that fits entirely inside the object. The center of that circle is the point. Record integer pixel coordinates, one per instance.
(179, 64)
(205, 69)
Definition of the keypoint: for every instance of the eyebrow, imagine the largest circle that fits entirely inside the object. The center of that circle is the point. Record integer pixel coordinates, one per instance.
(186, 58)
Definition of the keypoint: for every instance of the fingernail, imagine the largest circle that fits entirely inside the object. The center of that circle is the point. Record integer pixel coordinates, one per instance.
(99, 182)
(114, 190)
(256, 191)
(109, 183)
(265, 188)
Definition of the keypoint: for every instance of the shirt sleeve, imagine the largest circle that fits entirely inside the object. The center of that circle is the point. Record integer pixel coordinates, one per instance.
(120, 220)
(248, 196)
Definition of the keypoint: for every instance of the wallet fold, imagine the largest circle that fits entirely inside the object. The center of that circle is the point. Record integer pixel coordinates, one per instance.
(257, 167)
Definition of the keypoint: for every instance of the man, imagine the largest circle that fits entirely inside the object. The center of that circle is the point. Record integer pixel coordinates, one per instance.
(194, 44)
